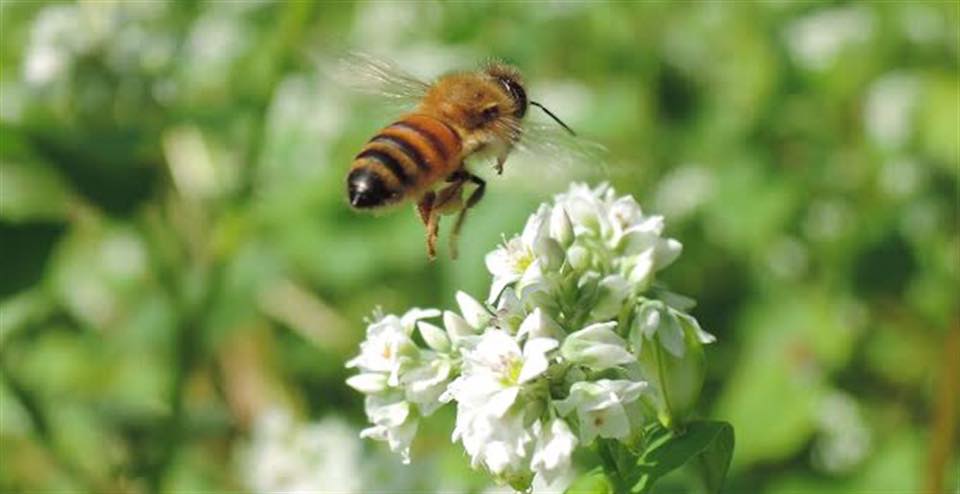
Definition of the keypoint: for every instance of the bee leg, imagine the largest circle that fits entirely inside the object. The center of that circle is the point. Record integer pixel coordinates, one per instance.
(472, 201)
(425, 206)
(433, 225)
(501, 159)
(430, 218)
(435, 204)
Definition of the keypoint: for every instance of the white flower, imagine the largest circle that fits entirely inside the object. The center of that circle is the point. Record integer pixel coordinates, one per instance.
(425, 383)
(599, 407)
(555, 444)
(585, 209)
(388, 348)
(500, 444)
(668, 325)
(597, 347)
(474, 313)
(516, 259)
(539, 325)
(434, 337)
(392, 421)
(496, 369)
(489, 426)
(581, 266)
(286, 455)
(561, 228)
(614, 290)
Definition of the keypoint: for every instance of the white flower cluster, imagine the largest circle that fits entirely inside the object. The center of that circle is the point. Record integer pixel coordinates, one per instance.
(292, 456)
(576, 341)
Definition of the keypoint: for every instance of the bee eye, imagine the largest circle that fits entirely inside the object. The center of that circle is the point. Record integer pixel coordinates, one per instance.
(490, 113)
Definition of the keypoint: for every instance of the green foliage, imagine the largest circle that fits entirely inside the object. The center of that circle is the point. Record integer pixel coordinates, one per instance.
(706, 446)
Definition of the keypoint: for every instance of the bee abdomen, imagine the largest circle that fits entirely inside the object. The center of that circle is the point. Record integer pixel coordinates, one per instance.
(407, 155)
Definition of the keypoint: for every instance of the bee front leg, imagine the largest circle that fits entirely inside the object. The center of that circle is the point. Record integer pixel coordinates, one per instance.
(501, 159)
(431, 220)
(472, 201)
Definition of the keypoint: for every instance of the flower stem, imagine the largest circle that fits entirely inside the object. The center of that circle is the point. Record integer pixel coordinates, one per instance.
(661, 376)
(610, 467)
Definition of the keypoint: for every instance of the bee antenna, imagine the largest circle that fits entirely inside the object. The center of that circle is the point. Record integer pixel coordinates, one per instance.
(556, 118)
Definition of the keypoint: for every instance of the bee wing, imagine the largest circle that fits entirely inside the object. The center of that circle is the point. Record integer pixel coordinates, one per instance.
(562, 150)
(375, 76)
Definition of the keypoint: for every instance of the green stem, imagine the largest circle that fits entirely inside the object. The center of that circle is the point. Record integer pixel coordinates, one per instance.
(661, 376)
(610, 467)
(33, 407)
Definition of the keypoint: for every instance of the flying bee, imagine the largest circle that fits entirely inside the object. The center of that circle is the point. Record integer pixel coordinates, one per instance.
(421, 156)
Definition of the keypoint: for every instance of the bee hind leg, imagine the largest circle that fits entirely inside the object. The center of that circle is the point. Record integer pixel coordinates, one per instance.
(425, 206)
(431, 220)
(472, 201)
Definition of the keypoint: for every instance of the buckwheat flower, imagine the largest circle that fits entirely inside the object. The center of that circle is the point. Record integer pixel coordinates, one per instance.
(613, 292)
(600, 407)
(657, 321)
(388, 346)
(474, 313)
(561, 228)
(539, 325)
(285, 454)
(585, 209)
(597, 346)
(401, 380)
(573, 298)
(517, 260)
(496, 369)
(502, 445)
(425, 383)
(677, 372)
(555, 445)
(393, 422)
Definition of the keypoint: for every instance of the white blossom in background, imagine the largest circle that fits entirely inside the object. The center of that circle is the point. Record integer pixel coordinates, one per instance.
(569, 347)
(816, 40)
(844, 440)
(889, 109)
(286, 455)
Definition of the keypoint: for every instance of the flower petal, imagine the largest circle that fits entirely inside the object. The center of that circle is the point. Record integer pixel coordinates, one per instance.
(473, 312)
(433, 336)
(368, 383)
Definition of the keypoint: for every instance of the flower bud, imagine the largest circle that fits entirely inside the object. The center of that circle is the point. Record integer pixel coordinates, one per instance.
(579, 257)
(597, 347)
(457, 327)
(672, 358)
(613, 291)
(550, 253)
(368, 383)
(434, 337)
(640, 269)
(561, 228)
(473, 312)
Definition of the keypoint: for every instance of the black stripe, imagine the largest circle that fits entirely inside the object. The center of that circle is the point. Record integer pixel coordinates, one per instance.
(434, 140)
(412, 152)
(389, 162)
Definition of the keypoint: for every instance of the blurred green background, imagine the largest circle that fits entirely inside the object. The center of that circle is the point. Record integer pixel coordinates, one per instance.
(182, 280)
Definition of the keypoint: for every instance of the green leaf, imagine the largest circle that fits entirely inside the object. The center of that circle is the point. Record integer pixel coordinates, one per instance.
(710, 442)
(593, 482)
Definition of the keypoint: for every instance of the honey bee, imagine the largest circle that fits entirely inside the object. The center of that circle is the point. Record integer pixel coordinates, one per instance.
(421, 156)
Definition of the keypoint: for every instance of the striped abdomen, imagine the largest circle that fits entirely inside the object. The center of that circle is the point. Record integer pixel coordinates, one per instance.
(402, 160)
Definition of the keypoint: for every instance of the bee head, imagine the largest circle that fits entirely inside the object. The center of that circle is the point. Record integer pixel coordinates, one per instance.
(509, 79)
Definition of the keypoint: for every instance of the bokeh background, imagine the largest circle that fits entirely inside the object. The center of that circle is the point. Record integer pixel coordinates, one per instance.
(182, 280)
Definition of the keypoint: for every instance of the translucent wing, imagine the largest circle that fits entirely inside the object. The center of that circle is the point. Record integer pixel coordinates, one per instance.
(375, 76)
(549, 143)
